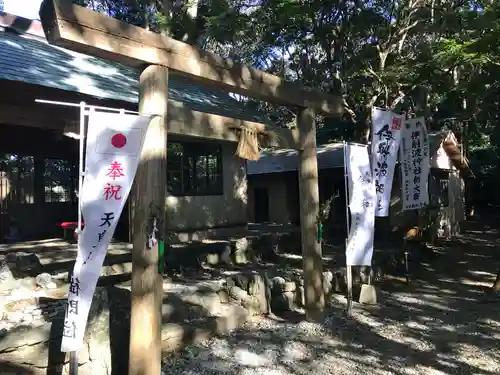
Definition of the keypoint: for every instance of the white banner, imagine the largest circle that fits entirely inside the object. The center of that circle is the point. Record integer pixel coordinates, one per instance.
(386, 136)
(415, 164)
(114, 143)
(362, 201)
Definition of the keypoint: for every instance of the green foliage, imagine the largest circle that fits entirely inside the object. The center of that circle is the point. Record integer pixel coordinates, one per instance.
(439, 58)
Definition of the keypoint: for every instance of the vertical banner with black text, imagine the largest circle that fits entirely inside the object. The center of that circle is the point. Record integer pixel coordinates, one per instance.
(362, 201)
(114, 144)
(415, 164)
(386, 136)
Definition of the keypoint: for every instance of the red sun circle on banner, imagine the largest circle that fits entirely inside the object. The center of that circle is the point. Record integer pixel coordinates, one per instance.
(118, 140)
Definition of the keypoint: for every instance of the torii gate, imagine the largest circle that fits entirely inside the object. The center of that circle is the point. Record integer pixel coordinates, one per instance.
(92, 33)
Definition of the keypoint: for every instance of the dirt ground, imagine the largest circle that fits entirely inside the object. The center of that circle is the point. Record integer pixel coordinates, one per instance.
(439, 324)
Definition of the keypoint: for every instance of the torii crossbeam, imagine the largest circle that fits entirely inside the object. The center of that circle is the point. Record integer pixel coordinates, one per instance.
(85, 31)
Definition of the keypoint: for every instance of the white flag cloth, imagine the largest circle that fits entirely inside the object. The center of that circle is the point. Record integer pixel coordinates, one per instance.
(415, 164)
(386, 136)
(114, 143)
(362, 200)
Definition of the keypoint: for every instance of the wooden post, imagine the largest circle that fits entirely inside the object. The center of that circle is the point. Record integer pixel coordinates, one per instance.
(309, 209)
(148, 204)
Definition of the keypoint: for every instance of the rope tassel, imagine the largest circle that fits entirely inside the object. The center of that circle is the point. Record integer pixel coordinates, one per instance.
(248, 145)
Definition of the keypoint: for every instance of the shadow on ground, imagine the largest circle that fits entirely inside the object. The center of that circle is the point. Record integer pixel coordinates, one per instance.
(439, 324)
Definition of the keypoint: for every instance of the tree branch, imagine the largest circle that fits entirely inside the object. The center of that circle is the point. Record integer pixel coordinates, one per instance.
(349, 111)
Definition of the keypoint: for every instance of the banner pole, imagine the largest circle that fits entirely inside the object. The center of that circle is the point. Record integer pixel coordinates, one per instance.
(73, 356)
(99, 108)
(81, 167)
(348, 267)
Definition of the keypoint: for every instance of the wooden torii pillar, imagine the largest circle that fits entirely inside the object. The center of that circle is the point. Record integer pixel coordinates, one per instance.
(85, 31)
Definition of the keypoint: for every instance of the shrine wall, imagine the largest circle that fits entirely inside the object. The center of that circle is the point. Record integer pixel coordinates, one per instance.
(30, 199)
(278, 211)
(189, 213)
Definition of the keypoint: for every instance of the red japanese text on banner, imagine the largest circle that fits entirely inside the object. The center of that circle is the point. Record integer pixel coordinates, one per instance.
(114, 144)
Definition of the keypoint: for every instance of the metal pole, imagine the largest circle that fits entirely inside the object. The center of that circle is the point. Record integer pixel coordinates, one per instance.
(73, 363)
(73, 356)
(81, 167)
(68, 104)
(348, 267)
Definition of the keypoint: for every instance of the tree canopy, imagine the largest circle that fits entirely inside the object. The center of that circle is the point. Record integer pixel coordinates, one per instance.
(439, 58)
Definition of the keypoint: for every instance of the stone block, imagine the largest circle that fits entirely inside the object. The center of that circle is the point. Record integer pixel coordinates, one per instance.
(44, 280)
(212, 259)
(253, 305)
(368, 295)
(258, 289)
(290, 243)
(265, 247)
(23, 264)
(283, 302)
(223, 296)
(300, 297)
(238, 294)
(327, 282)
(242, 251)
(280, 284)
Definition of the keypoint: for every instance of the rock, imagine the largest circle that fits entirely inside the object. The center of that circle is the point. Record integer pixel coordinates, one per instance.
(27, 283)
(6, 275)
(242, 251)
(265, 247)
(339, 282)
(290, 243)
(299, 280)
(255, 285)
(289, 286)
(223, 295)
(25, 264)
(10, 257)
(106, 337)
(367, 274)
(328, 282)
(258, 289)
(283, 302)
(300, 299)
(212, 259)
(44, 280)
(25, 336)
(191, 256)
(256, 304)
(280, 284)
(216, 252)
(237, 293)
(241, 280)
(252, 304)
(16, 317)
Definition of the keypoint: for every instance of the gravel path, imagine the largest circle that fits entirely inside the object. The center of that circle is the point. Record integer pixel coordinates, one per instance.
(437, 325)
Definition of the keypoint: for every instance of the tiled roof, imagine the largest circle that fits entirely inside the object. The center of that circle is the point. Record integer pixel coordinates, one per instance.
(329, 156)
(32, 60)
(277, 161)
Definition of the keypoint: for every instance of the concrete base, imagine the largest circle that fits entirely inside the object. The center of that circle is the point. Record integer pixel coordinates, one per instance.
(368, 295)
